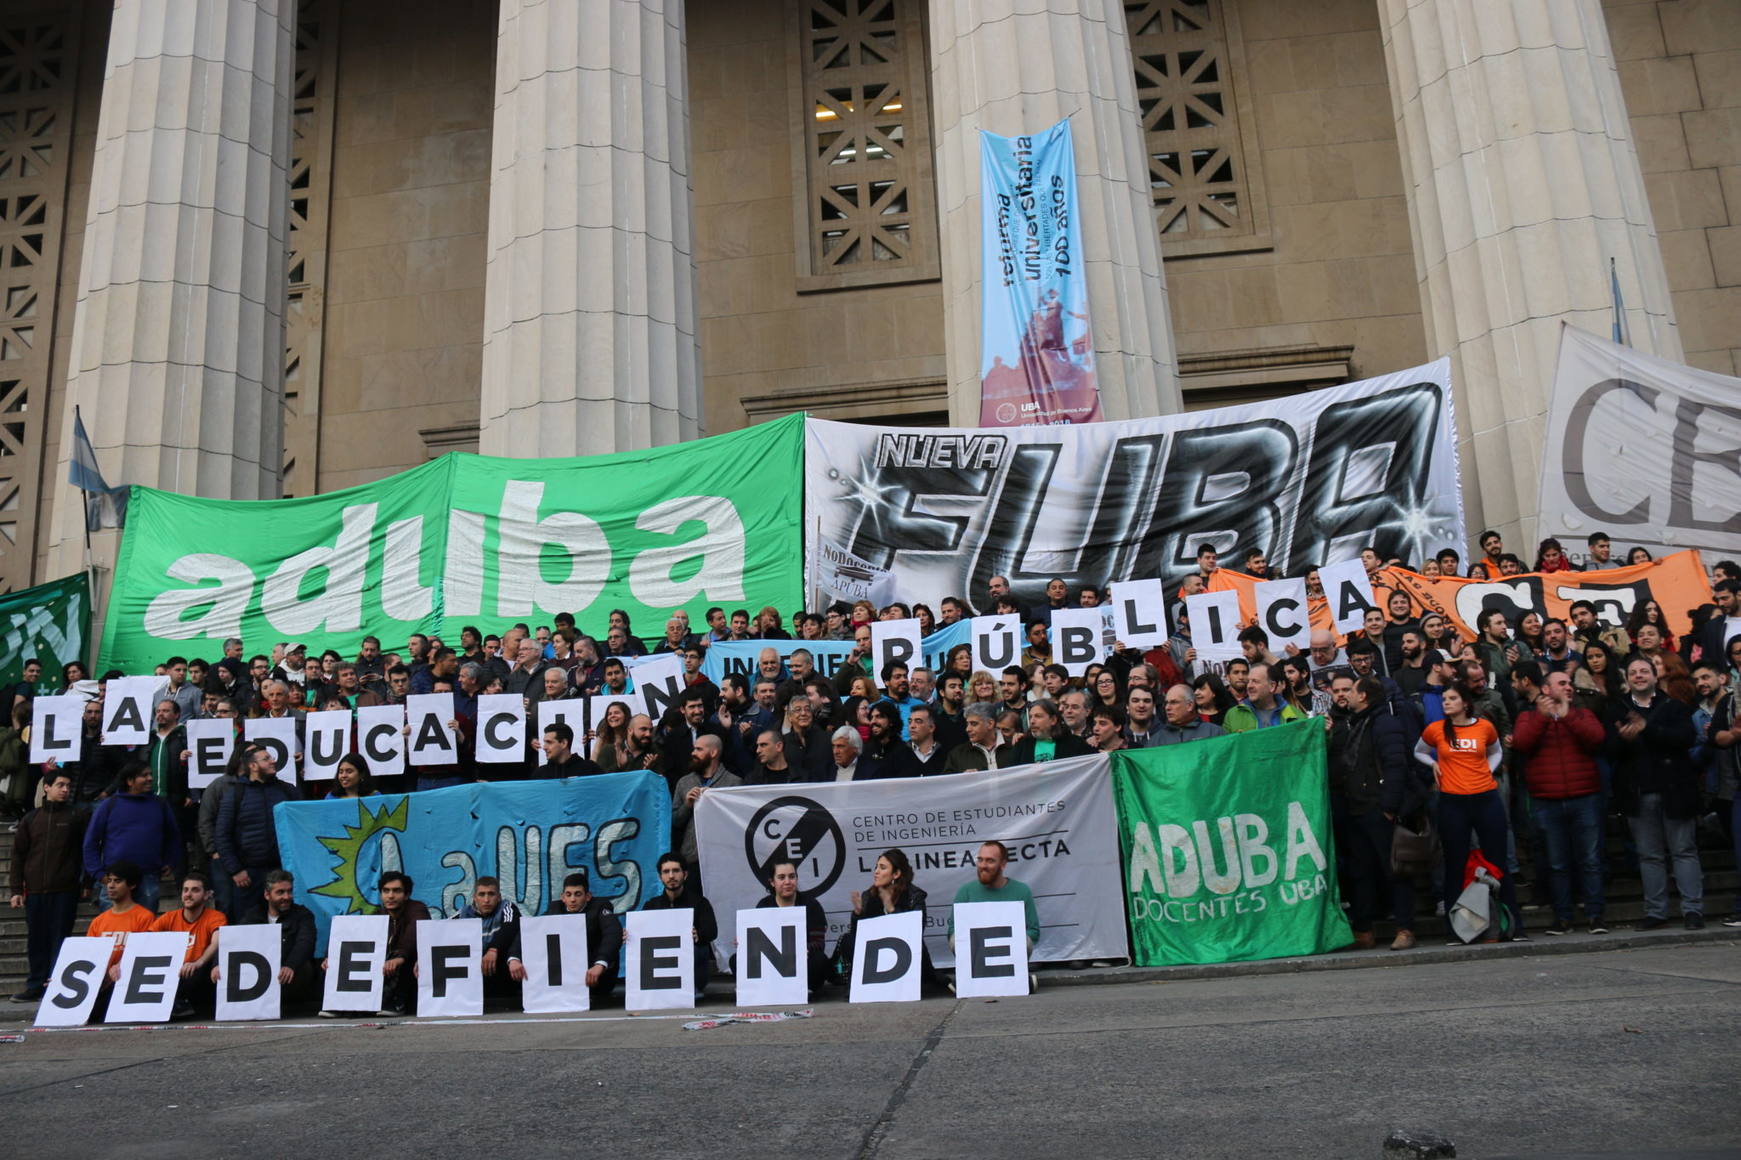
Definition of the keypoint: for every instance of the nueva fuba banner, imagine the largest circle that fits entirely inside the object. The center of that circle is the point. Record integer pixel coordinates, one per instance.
(466, 537)
(1308, 479)
(1221, 864)
(1036, 347)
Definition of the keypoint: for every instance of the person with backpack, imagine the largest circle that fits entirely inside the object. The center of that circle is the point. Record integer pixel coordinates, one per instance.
(1464, 753)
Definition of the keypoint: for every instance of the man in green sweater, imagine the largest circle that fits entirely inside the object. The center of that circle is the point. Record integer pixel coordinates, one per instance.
(991, 884)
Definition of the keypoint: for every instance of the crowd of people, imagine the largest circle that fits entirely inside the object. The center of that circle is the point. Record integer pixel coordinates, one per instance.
(1517, 744)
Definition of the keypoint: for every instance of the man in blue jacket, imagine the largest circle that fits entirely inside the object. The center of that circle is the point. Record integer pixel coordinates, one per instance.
(135, 826)
(247, 839)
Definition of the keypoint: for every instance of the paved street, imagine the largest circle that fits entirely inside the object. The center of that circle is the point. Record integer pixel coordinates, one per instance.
(1618, 1052)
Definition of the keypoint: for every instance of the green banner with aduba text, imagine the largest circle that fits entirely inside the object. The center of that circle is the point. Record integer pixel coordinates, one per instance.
(1227, 848)
(467, 539)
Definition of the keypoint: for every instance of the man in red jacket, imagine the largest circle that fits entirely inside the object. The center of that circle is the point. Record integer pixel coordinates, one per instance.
(1559, 743)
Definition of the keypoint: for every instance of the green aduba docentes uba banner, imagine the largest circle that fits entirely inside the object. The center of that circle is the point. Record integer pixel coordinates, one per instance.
(1227, 848)
(47, 623)
(463, 539)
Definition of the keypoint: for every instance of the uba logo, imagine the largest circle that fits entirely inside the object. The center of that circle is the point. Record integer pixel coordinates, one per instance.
(796, 829)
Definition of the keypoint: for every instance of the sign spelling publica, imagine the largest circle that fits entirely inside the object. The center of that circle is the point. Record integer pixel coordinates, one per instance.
(1348, 589)
(895, 642)
(997, 642)
(1076, 639)
(1141, 610)
(1214, 624)
(1282, 613)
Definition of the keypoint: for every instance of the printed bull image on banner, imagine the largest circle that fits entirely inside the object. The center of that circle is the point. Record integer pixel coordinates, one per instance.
(1227, 848)
(1308, 479)
(1036, 347)
(1056, 818)
(463, 538)
(1641, 448)
(529, 834)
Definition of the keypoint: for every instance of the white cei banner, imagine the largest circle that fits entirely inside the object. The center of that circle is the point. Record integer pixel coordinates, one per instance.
(1640, 448)
(1057, 818)
(1313, 477)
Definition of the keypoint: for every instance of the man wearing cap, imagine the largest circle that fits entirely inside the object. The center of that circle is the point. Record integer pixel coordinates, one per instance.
(293, 671)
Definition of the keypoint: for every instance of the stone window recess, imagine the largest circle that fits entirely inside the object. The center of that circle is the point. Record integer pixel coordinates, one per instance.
(38, 59)
(311, 139)
(861, 143)
(1204, 167)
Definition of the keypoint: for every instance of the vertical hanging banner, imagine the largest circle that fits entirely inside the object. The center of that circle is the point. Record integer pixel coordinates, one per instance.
(1223, 864)
(1036, 348)
(48, 623)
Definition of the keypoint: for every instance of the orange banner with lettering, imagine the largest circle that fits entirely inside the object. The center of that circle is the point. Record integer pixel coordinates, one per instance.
(1677, 582)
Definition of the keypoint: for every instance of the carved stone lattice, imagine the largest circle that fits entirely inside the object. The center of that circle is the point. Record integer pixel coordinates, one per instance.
(311, 114)
(865, 154)
(37, 61)
(1200, 169)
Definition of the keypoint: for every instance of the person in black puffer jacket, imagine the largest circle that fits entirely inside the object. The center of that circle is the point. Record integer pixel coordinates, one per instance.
(247, 839)
(1374, 780)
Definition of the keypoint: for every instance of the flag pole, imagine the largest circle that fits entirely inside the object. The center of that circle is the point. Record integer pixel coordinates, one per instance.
(90, 568)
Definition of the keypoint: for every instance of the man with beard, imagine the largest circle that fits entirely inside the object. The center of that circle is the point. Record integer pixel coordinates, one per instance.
(991, 884)
(1411, 673)
(706, 771)
(885, 754)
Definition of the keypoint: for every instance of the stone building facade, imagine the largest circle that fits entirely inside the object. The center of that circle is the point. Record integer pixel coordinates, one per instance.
(276, 247)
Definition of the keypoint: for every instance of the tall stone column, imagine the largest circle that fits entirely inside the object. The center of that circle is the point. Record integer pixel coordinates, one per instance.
(589, 294)
(177, 360)
(1522, 180)
(1017, 68)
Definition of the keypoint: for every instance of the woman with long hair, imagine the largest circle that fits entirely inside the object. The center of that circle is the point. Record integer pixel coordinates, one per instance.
(1465, 752)
(1212, 696)
(1650, 612)
(1529, 631)
(1639, 556)
(981, 687)
(927, 619)
(1598, 680)
(1675, 678)
(892, 891)
(1550, 556)
(864, 688)
(610, 747)
(352, 779)
(958, 660)
(1107, 691)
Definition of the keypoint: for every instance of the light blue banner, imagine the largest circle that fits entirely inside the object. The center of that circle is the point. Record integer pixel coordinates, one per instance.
(1036, 352)
(530, 834)
(741, 656)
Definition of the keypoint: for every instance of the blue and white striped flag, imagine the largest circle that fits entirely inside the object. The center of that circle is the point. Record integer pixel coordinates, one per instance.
(105, 506)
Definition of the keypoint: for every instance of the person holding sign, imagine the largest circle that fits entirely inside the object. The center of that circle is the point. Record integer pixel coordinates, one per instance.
(200, 921)
(680, 894)
(246, 835)
(892, 891)
(123, 916)
(604, 937)
(783, 891)
(403, 914)
(991, 884)
(295, 924)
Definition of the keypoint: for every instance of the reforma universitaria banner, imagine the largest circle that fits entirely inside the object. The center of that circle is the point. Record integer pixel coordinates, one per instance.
(1641, 448)
(529, 834)
(464, 538)
(1227, 848)
(1309, 479)
(1036, 344)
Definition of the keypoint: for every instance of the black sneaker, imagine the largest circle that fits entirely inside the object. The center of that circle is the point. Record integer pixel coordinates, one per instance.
(1732, 920)
(1597, 926)
(1652, 923)
(30, 995)
(182, 1011)
(1695, 922)
(1558, 927)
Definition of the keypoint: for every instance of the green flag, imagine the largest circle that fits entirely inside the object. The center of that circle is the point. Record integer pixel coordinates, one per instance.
(47, 622)
(1227, 848)
(467, 539)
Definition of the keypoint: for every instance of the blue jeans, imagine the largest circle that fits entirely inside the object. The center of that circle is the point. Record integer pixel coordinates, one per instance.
(1573, 829)
(1484, 814)
(1659, 838)
(48, 920)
